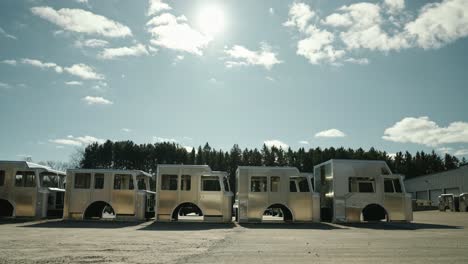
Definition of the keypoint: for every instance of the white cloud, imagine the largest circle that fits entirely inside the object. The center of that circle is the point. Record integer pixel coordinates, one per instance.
(112, 53)
(337, 20)
(299, 16)
(43, 65)
(275, 143)
(304, 142)
(5, 85)
(271, 79)
(91, 100)
(77, 141)
(271, 11)
(440, 23)
(82, 1)
(383, 27)
(423, 131)
(461, 152)
(445, 149)
(188, 148)
(241, 56)
(73, 83)
(100, 86)
(82, 21)
(161, 139)
(3, 32)
(394, 6)
(9, 62)
(366, 32)
(126, 130)
(330, 133)
(156, 6)
(178, 59)
(81, 70)
(317, 47)
(174, 33)
(84, 71)
(361, 61)
(91, 43)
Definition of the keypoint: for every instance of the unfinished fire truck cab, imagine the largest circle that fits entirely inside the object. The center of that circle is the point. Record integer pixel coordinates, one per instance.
(361, 190)
(108, 194)
(282, 191)
(193, 190)
(30, 190)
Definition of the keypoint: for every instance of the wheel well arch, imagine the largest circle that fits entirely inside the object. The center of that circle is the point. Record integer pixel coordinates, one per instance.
(8, 202)
(94, 206)
(375, 212)
(289, 214)
(176, 209)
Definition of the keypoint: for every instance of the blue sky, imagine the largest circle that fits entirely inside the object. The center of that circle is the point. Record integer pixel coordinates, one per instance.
(390, 74)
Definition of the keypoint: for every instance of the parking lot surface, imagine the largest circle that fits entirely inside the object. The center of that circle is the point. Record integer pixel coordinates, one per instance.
(433, 237)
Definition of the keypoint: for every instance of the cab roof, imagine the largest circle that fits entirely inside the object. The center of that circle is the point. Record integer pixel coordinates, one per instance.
(29, 166)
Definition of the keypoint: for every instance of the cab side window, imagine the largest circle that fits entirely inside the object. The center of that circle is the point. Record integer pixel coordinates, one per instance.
(123, 182)
(258, 184)
(186, 183)
(25, 179)
(392, 186)
(210, 184)
(82, 180)
(169, 182)
(98, 181)
(361, 185)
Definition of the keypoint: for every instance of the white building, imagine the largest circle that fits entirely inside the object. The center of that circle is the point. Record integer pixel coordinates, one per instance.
(429, 187)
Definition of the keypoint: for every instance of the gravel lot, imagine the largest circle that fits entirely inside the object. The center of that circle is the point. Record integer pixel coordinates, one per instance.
(433, 237)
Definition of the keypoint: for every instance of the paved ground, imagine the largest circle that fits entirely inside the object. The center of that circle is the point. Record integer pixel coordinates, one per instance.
(434, 237)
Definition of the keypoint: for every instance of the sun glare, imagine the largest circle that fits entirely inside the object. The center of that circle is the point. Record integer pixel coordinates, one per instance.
(211, 20)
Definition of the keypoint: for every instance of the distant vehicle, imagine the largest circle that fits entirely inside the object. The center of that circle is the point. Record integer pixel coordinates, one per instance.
(192, 189)
(108, 193)
(450, 202)
(275, 191)
(361, 190)
(463, 202)
(30, 190)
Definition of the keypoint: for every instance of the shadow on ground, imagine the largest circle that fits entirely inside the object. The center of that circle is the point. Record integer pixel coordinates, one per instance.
(312, 226)
(399, 226)
(83, 224)
(186, 226)
(4, 221)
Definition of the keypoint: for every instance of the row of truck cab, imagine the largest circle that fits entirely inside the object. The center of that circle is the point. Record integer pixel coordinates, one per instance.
(337, 191)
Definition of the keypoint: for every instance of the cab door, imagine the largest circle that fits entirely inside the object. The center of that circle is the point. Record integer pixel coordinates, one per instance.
(211, 196)
(394, 198)
(25, 193)
(257, 197)
(123, 194)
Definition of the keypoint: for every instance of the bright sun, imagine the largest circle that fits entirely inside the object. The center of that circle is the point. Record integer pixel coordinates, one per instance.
(211, 20)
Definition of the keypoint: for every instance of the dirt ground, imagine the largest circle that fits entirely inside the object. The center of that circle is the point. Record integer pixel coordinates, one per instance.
(433, 237)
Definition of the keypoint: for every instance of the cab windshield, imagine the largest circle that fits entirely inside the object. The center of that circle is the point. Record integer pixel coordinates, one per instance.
(50, 180)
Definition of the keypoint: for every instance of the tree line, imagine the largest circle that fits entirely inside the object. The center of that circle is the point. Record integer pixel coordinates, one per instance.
(128, 155)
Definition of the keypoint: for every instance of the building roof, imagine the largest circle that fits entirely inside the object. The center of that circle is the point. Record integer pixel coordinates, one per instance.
(423, 177)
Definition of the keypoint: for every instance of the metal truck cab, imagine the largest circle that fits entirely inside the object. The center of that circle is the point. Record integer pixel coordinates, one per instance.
(192, 190)
(361, 190)
(283, 189)
(30, 190)
(106, 193)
